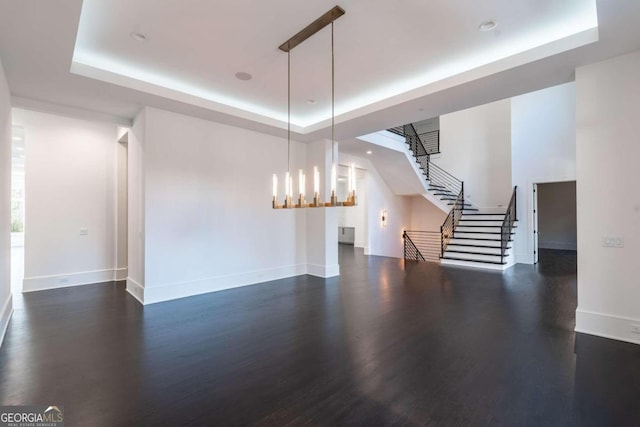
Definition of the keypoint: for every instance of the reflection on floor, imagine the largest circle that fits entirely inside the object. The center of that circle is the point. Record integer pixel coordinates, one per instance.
(385, 343)
(557, 262)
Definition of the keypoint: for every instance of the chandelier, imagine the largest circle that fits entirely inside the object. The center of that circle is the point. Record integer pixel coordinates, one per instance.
(301, 201)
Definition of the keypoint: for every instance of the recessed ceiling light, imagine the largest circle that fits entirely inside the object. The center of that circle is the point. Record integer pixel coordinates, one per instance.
(487, 26)
(369, 152)
(241, 75)
(138, 36)
(17, 138)
(311, 101)
(20, 148)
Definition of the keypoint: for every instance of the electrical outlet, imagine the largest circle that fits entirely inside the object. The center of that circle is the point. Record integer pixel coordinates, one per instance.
(84, 231)
(635, 329)
(613, 242)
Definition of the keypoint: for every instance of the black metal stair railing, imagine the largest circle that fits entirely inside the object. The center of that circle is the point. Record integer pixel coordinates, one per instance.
(429, 141)
(442, 183)
(448, 228)
(510, 217)
(427, 243)
(439, 179)
(411, 251)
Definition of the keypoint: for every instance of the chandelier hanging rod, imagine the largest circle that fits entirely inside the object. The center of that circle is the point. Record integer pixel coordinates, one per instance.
(312, 28)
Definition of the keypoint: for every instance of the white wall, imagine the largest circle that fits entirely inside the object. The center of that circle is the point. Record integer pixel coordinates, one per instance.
(386, 241)
(425, 216)
(381, 241)
(608, 149)
(557, 225)
(355, 216)
(121, 206)
(6, 303)
(543, 135)
(208, 221)
(476, 148)
(135, 207)
(321, 232)
(70, 185)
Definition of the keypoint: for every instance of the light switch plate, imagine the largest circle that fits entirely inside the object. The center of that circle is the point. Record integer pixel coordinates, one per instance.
(84, 231)
(613, 242)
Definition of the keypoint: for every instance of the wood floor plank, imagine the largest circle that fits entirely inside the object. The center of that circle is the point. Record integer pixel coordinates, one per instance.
(383, 344)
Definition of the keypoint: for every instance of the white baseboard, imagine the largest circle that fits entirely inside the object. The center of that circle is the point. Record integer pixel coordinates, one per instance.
(606, 326)
(324, 271)
(5, 317)
(135, 289)
(558, 245)
(121, 274)
(40, 283)
(167, 292)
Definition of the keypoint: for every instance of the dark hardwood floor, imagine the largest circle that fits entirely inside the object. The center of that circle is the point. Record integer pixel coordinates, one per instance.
(383, 344)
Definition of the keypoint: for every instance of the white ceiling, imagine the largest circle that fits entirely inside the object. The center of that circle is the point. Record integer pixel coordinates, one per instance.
(393, 59)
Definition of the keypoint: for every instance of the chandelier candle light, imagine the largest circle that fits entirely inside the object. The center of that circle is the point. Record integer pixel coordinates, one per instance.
(311, 29)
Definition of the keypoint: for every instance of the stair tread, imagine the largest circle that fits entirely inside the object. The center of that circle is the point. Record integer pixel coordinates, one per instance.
(479, 232)
(473, 260)
(467, 245)
(483, 226)
(483, 220)
(471, 252)
(483, 213)
(479, 238)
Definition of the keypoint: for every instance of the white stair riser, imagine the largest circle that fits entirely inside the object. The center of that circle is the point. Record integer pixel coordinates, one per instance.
(482, 229)
(477, 235)
(492, 223)
(491, 217)
(479, 242)
(471, 264)
(474, 257)
(461, 249)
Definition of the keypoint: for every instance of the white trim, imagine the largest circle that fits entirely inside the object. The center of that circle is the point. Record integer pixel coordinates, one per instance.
(606, 326)
(324, 271)
(5, 317)
(566, 246)
(475, 265)
(177, 290)
(40, 283)
(67, 111)
(527, 221)
(120, 274)
(135, 289)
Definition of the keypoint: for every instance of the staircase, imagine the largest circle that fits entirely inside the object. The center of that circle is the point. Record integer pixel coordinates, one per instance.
(444, 186)
(468, 237)
(478, 239)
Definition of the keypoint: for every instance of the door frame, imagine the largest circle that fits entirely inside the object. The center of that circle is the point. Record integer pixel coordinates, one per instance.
(534, 208)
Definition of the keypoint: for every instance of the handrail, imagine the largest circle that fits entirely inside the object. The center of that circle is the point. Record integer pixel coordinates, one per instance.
(510, 217)
(429, 141)
(426, 242)
(411, 251)
(448, 228)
